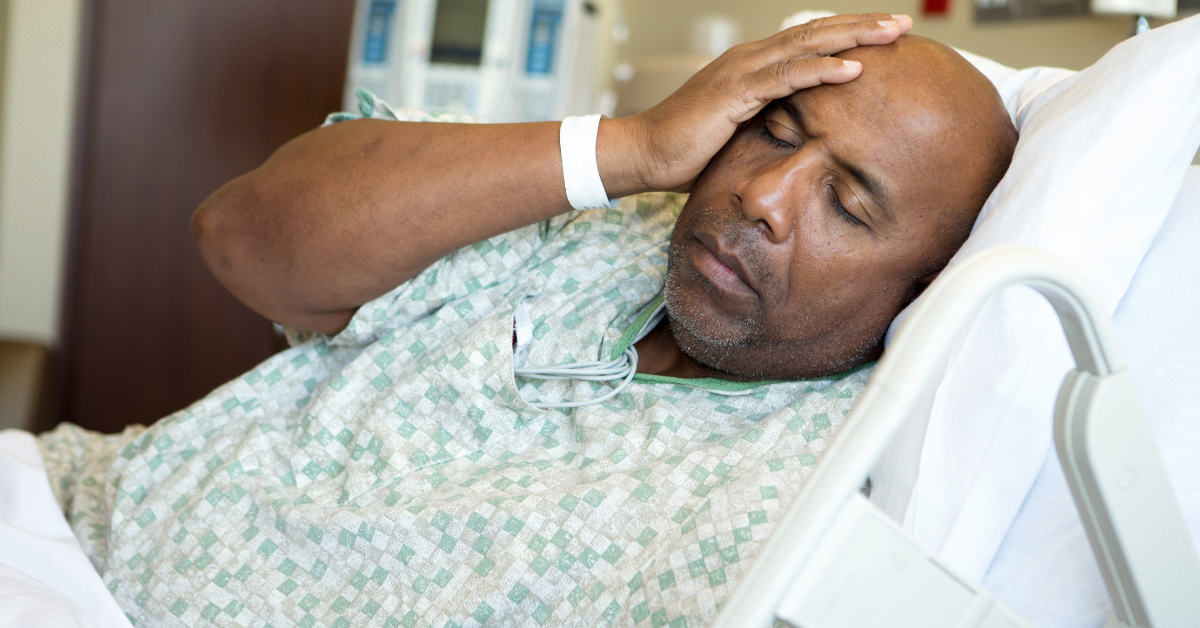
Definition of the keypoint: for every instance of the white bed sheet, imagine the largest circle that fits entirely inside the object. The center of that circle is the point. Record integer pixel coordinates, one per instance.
(1044, 569)
(46, 581)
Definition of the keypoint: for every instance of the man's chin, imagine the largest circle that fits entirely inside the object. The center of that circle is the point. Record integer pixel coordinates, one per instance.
(721, 359)
(751, 359)
(704, 338)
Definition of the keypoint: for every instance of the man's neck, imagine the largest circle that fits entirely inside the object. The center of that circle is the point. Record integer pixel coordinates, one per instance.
(659, 354)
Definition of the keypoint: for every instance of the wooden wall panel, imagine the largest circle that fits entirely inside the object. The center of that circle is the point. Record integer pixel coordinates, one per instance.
(179, 97)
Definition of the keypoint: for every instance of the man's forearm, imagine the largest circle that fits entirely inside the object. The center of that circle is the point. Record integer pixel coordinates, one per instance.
(345, 213)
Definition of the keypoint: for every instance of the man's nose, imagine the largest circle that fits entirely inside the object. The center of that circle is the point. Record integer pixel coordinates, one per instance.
(768, 198)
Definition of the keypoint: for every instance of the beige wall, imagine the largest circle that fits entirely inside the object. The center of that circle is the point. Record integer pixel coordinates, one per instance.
(37, 109)
(664, 26)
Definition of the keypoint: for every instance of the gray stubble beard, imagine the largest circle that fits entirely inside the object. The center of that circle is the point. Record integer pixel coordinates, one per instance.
(714, 344)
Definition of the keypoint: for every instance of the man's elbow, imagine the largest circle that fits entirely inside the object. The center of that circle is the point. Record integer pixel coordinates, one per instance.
(225, 234)
(207, 229)
(246, 250)
(220, 230)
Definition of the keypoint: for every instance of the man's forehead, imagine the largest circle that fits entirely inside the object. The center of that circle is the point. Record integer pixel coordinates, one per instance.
(876, 106)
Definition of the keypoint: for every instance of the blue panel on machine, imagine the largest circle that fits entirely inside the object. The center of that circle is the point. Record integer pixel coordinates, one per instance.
(379, 29)
(543, 36)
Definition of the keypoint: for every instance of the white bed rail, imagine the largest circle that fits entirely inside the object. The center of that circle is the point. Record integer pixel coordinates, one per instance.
(837, 561)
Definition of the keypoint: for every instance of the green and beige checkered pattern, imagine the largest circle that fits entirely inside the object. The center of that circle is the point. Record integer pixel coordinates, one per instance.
(395, 474)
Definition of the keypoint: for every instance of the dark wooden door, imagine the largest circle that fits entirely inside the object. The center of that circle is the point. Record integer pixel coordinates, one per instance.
(178, 98)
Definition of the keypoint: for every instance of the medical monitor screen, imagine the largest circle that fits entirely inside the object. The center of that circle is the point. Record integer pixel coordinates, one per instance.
(458, 32)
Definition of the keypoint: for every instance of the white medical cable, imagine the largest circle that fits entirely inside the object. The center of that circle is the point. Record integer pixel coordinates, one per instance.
(628, 360)
(622, 368)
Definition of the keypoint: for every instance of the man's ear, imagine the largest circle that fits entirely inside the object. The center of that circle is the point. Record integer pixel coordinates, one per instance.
(919, 286)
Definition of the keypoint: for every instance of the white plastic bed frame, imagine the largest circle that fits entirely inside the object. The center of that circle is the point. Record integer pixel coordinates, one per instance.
(837, 561)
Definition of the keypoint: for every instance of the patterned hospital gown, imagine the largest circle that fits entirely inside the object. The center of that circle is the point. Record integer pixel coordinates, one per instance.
(396, 475)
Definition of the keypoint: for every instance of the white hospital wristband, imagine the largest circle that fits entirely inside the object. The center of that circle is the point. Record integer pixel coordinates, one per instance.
(581, 174)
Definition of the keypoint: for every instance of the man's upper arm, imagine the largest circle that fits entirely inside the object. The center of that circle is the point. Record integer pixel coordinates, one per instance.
(452, 279)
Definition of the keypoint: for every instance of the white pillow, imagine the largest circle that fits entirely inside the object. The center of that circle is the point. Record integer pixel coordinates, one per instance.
(1101, 157)
(1017, 87)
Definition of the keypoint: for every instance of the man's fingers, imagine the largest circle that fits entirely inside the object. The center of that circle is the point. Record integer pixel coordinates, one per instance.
(834, 38)
(787, 35)
(788, 77)
(844, 19)
(681, 134)
(799, 58)
(831, 38)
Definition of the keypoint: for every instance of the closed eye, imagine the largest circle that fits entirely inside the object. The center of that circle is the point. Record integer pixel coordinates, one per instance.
(836, 203)
(772, 138)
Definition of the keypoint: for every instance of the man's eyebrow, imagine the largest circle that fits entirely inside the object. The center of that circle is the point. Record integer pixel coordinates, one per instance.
(793, 112)
(874, 188)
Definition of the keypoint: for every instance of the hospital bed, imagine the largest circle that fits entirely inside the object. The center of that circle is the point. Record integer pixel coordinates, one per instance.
(831, 561)
(833, 544)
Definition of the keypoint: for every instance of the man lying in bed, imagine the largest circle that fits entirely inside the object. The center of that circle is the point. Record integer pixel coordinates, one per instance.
(390, 470)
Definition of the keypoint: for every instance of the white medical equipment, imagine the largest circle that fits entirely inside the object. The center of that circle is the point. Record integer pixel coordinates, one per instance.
(834, 550)
(498, 60)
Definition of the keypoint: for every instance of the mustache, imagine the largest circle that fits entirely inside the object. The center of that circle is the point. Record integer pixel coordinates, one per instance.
(735, 235)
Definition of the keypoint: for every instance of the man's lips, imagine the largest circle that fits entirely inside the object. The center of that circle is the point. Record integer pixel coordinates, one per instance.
(722, 268)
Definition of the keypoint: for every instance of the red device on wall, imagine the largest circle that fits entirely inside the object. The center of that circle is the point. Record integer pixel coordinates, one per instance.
(935, 7)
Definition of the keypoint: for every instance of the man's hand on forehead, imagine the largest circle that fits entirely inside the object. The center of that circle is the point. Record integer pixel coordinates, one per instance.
(675, 140)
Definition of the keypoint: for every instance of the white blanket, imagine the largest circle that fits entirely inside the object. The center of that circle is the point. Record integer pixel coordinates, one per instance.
(45, 579)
